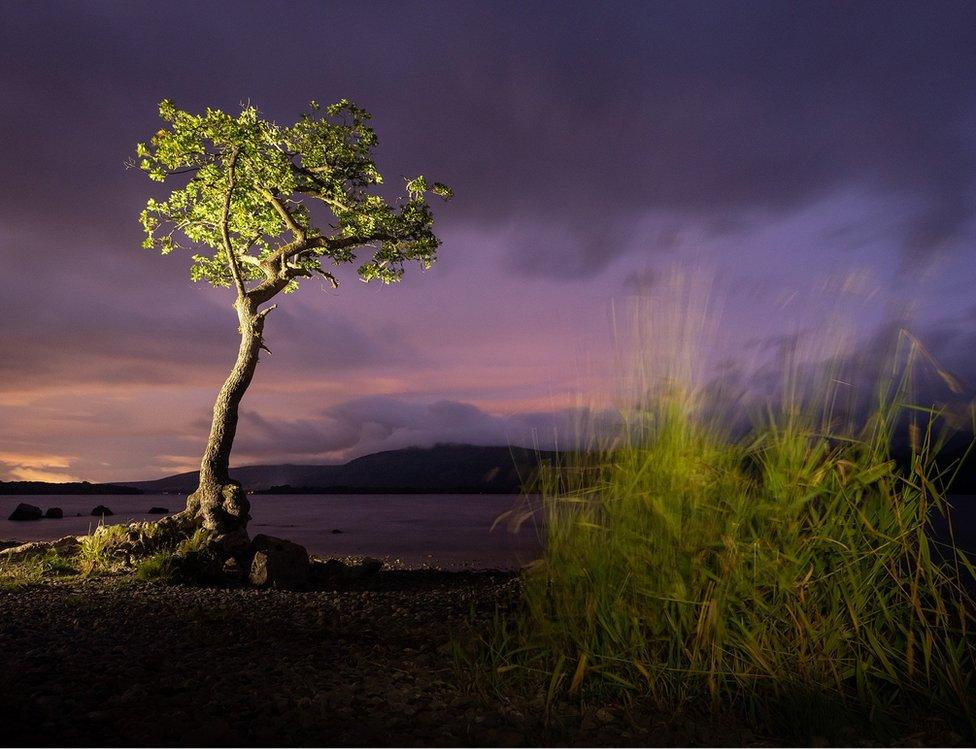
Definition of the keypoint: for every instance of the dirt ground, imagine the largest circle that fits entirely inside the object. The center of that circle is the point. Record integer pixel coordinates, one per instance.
(111, 661)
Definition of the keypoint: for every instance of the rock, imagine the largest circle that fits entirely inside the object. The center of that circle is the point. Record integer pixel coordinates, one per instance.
(55, 513)
(370, 566)
(158, 511)
(337, 571)
(102, 511)
(26, 512)
(66, 547)
(336, 530)
(201, 567)
(329, 571)
(277, 563)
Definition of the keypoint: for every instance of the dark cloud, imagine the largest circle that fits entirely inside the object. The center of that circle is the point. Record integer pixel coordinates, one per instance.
(365, 425)
(585, 143)
(641, 281)
(566, 123)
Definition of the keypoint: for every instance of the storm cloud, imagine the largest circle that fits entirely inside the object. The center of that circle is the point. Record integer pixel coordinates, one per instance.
(787, 147)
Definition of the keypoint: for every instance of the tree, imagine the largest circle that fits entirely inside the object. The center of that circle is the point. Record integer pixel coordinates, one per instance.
(263, 206)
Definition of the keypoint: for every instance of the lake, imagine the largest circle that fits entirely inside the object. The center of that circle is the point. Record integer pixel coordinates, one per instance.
(413, 530)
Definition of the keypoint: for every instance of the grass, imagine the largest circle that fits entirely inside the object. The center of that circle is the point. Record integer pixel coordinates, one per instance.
(784, 574)
(17, 576)
(95, 554)
(101, 552)
(171, 566)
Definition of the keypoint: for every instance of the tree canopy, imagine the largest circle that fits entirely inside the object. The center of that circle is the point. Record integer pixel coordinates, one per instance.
(265, 205)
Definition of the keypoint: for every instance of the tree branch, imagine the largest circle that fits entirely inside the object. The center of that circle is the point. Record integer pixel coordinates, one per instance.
(328, 276)
(235, 270)
(278, 273)
(341, 243)
(286, 216)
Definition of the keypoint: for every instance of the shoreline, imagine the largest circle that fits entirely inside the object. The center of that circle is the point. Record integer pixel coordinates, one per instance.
(386, 659)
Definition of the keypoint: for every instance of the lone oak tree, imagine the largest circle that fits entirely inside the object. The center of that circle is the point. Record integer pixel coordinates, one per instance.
(263, 206)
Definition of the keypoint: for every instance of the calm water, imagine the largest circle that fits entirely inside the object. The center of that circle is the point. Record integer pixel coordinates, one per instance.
(453, 530)
(447, 529)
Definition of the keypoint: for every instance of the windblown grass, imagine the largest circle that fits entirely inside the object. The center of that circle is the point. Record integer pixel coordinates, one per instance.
(777, 572)
(95, 554)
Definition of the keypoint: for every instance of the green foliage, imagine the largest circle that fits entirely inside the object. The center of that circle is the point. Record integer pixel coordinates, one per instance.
(197, 542)
(266, 193)
(18, 575)
(190, 562)
(159, 566)
(95, 554)
(54, 564)
(779, 575)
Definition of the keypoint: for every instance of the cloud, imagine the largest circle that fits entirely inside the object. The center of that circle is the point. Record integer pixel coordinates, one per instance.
(33, 474)
(35, 467)
(588, 146)
(568, 125)
(366, 425)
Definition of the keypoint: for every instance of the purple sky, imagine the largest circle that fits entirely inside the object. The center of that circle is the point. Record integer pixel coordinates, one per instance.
(816, 160)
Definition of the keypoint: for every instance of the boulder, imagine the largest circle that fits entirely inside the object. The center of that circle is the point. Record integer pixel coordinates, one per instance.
(201, 567)
(330, 570)
(276, 563)
(55, 513)
(333, 571)
(66, 547)
(158, 511)
(370, 566)
(102, 511)
(25, 511)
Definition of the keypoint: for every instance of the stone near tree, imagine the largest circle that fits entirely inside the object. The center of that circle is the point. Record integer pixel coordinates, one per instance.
(277, 563)
(102, 511)
(25, 511)
(158, 511)
(54, 513)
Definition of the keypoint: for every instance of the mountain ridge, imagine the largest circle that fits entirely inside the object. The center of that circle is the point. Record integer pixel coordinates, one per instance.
(442, 468)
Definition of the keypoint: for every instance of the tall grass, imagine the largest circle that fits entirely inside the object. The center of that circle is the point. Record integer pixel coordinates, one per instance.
(777, 571)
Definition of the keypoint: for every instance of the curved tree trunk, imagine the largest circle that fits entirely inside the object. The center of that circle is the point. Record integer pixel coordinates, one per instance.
(220, 504)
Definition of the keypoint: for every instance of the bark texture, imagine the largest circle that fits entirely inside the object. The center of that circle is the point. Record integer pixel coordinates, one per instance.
(220, 504)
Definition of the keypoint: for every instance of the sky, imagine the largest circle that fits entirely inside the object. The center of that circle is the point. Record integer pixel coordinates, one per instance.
(814, 163)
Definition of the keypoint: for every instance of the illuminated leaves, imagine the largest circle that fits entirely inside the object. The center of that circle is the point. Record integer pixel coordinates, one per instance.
(306, 183)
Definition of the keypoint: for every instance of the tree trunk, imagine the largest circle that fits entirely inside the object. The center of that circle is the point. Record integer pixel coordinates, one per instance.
(220, 504)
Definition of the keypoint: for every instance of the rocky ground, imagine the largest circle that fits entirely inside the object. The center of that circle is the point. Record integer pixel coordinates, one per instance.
(111, 661)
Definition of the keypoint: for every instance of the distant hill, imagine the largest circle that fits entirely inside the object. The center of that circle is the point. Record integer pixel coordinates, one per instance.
(440, 469)
(73, 487)
(444, 468)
